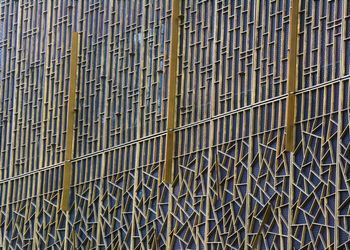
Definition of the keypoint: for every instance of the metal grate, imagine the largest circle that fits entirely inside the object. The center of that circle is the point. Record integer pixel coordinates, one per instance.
(234, 184)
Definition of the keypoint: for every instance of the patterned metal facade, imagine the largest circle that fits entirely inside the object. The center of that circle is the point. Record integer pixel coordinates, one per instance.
(235, 186)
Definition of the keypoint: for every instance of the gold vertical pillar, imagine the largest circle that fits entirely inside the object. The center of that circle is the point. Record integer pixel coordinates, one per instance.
(70, 122)
(292, 76)
(169, 154)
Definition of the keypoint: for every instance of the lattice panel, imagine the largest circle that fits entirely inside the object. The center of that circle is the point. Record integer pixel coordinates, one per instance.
(151, 198)
(188, 201)
(83, 216)
(151, 209)
(51, 222)
(195, 61)
(56, 82)
(320, 41)
(20, 213)
(268, 226)
(116, 210)
(15, 234)
(343, 190)
(234, 186)
(8, 46)
(314, 171)
(137, 56)
(228, 195)
(92, 88)
(314, 188)
(4, 196)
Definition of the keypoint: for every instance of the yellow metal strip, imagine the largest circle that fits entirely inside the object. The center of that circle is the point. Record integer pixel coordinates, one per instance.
(292, 76)
(70, 122)
(66, 185)
(168, 171)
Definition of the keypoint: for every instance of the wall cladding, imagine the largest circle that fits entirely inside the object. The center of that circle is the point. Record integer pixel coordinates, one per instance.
(234, 184)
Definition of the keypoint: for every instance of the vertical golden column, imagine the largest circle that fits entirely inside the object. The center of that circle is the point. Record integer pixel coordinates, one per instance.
(70, 122)
(292, 75)
(169, 154)
(290, 112)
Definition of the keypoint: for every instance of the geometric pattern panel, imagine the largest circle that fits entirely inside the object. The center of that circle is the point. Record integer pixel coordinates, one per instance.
(269, 202)
(313, 206)
(343, 175)
(151, 209)
(116, 211)
(188, 201)
(228, 196)
(235, 186)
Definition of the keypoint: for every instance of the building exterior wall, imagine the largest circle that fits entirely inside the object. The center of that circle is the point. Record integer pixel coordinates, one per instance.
(235, 186)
